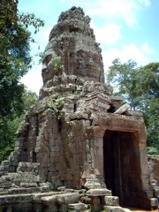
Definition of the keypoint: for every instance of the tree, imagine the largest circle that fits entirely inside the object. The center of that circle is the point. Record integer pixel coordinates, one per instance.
(149, 88)
(9, 126)
(124, 78)
(140, 87)
(15, 60)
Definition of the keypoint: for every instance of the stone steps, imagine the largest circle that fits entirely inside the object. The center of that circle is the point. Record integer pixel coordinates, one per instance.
(53, 201)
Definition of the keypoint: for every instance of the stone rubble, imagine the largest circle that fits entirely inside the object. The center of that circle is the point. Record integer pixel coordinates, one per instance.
(153, 162)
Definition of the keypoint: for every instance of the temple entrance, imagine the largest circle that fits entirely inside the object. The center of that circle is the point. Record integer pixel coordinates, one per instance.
(122, 166)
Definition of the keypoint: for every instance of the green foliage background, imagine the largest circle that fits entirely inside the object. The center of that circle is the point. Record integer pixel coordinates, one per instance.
(15, 61)
(140, 88)
(9, 126)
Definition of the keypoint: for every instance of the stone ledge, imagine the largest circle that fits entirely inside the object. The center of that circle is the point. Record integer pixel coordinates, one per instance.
(77, 207)
(99, 192)
(60, 199)
(116, 209)
(111, 200)
(15, 198)
(18, 198)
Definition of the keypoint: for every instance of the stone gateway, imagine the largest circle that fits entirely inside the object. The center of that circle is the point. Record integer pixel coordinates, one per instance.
(78, 137)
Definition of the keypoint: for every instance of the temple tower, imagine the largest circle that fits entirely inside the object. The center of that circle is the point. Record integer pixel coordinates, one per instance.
(78, 134)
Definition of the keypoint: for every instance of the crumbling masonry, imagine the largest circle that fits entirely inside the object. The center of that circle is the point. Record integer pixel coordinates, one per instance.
(78, 135)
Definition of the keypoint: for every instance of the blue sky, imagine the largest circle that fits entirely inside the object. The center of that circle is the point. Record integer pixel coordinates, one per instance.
(126, 29)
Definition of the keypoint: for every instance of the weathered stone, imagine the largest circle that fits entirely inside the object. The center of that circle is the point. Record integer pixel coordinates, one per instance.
(77, 207)
(37, 197)
(116, 101)
(154, 203)
(153, 162)
(156, 189)
(79, 115)
(94, 182)
(99, 192)
(111, 200)
(12, 168)
(122, 109)
(15, 198)
(49, 200)
(6, 184)
(72, 137)
(23, 190)
(26, 185)
(28, 167)
(67, 198)
(115, 209)
(5, 163)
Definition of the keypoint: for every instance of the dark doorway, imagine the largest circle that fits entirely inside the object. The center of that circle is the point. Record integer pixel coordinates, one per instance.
(122, 166)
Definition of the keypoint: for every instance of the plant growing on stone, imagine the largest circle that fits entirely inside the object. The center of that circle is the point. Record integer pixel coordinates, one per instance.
(56, 104)
(57, 64)
(77, 93)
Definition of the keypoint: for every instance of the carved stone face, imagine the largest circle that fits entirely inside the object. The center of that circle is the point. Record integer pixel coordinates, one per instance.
(49, 69)
(74, 40)
(89, 65)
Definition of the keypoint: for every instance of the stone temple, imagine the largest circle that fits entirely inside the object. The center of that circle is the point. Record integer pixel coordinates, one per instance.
(78, 135)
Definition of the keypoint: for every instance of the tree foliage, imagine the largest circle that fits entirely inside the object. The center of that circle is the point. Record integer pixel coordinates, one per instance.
(123, 77)
(8, 126)
(15, 60)
(149, 88)
(140, 87)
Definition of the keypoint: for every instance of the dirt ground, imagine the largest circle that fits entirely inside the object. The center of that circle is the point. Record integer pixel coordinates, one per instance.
(137, 210)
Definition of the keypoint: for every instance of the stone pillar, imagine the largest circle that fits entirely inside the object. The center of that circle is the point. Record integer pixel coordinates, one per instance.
(94, 173)
(144, 165)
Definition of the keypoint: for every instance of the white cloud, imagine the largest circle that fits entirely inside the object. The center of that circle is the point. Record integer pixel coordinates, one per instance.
(73, 2)
(33, 79)
(147, 49)
(107, 34)
(42, 38)
(123, 9)
(146, 3)
(133, 52)
(138, 54)
(45, 33)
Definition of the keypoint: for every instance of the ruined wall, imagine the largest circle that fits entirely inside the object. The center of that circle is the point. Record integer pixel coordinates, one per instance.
(153, 162)
(62, 136)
